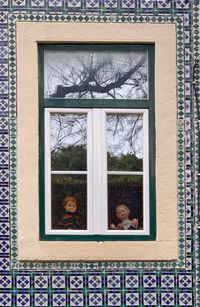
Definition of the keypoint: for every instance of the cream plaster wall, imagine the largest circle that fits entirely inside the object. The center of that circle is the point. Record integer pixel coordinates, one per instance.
(164, 36)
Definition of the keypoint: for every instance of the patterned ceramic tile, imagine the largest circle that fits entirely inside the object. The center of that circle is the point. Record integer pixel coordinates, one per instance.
(4, 264)
(59, 300)
(149, 281)
(128, 4)
(180, 4)
(4, 105)
(95, 299)
(166, 4)
(76, 282)
(167, 299)
(19, 3)
(110, 3)
(3, 52)
(3, 70)
(41, 300)
(4, 228)
(167, 281)
(95, 281)
(185, 281)
(4, 246)
(92, 3)
(37, 3)
(132, 299)
(3, 17)
(55, 3)
(4, 3)
(23, 282)
(76, 299)
(5, 282)
(74, 3)
(150, 299)
(41, 282)
(5, 299)
(113, 281)
(147, 3)
(23, 300)
(185, 299)
(58, 282)
(132, 281)
(114, 299)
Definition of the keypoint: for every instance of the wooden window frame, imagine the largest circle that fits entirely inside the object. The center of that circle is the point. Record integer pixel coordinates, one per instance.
(98, 104)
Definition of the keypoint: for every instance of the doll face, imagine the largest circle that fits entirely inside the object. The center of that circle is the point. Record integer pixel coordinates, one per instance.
(122, 212)
(70, 206)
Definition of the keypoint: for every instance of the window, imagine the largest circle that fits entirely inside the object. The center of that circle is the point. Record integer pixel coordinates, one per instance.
(29, 182)
(98, 142)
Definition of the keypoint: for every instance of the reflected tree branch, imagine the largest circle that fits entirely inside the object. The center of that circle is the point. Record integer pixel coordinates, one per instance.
(92, 80)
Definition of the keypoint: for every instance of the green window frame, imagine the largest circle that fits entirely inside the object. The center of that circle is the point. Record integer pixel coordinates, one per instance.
(118, 104)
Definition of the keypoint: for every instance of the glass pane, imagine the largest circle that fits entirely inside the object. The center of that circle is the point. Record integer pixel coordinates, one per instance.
(96, 74)
(68, 142)
(125, 202)
(124, 142)
(69, 202)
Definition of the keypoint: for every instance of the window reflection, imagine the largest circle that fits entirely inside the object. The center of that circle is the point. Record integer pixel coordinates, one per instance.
(124, 142)
(125, 202)
(68, 142)
(96, 74)
(69, 202)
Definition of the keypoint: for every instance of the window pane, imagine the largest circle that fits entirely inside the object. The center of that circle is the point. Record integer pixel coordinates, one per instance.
(69, 202)
(68, 142)
(96, 74)
(125, 202)
(124, 142)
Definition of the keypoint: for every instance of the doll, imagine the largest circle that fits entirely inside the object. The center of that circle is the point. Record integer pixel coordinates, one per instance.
(70, 220)
(122, 213)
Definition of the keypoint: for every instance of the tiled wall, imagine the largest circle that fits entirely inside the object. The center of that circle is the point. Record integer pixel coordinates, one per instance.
(102, 284)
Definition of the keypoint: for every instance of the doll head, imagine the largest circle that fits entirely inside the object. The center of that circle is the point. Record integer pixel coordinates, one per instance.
(122, 212)
(70, 204)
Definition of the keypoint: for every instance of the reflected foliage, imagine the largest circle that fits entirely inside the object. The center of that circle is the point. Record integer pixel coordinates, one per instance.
(70, 158)
(127, 162)
(74, 158)
(124, 134)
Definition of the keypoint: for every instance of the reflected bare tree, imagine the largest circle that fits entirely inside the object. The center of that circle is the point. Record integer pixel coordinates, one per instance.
(124, 134)
(97, 75)
(68, 130)
(69, 141)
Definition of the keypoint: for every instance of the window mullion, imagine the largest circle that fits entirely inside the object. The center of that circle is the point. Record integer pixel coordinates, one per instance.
(47, 168)
(99, 183)
(146, 170)
(90, 196)
(104, 187)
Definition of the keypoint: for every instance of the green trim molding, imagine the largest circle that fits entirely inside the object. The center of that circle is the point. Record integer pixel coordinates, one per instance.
(98, 103)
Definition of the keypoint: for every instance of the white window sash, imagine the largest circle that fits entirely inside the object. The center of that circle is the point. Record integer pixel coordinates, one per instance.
(145, 173)
(97, 203)
(48, 172)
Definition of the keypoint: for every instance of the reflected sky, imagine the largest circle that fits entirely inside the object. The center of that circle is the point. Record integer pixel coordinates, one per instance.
(99, 74)
(124, 134)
